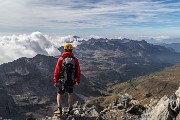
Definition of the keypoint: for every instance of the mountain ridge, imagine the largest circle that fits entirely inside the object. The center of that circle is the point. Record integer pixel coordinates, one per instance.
(174, 46)
(116, 55)
(29, 81)
(156, 84)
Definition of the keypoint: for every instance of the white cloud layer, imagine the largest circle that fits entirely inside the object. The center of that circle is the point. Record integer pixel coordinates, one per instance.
(61, 40)
(16, 46)
(161, 38)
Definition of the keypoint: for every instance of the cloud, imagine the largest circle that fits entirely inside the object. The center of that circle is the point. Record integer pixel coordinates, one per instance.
(61, 40)
(28, 45)
(161, 38)
(76, 14)
(14, 47)
(94, 36)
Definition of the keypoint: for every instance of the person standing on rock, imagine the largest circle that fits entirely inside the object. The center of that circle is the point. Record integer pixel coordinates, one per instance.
(66, 75)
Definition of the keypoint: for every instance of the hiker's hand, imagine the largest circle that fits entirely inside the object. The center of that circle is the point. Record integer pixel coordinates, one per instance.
(56, 84)
(77, 84)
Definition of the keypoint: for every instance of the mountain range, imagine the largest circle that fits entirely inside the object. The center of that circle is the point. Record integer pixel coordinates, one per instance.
(175, 46)
(104, 60)
(27, 83)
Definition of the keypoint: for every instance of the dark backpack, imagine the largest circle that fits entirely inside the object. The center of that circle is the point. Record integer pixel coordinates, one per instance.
(68, 71)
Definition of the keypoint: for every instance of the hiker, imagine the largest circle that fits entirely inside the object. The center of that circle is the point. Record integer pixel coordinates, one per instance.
(66, 75)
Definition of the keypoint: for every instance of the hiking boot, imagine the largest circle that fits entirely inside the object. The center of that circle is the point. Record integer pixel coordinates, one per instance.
(70, 112)
(58, 111)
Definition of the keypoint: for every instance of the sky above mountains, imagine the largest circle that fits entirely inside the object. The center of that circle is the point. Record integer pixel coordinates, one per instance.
(107, 18)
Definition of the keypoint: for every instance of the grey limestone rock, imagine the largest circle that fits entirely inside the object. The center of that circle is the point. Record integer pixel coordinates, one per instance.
(167, 108)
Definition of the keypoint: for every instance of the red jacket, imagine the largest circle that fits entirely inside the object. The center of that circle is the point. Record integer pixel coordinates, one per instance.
(57, 70)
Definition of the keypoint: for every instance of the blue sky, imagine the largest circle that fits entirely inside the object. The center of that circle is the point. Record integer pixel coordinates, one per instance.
(107, 18)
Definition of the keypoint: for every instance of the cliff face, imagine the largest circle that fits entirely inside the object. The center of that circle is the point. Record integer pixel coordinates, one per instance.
(8, 107)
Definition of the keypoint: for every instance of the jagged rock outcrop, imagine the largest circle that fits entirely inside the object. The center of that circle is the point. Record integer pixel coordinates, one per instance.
(124, 108)
(166, 108)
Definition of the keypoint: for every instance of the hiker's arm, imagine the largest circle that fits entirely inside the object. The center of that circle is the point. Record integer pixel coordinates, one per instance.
(58, 69)
(78, 71)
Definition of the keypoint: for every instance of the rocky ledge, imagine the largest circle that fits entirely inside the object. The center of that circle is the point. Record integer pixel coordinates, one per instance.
(125, 107)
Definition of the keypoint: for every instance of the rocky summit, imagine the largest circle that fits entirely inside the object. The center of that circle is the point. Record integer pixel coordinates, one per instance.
(125, 107)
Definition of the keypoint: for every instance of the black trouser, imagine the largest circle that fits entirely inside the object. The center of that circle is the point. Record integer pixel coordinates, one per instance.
(63, 87)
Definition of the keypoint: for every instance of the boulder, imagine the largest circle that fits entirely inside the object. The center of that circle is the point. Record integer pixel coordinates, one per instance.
(167, 108)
